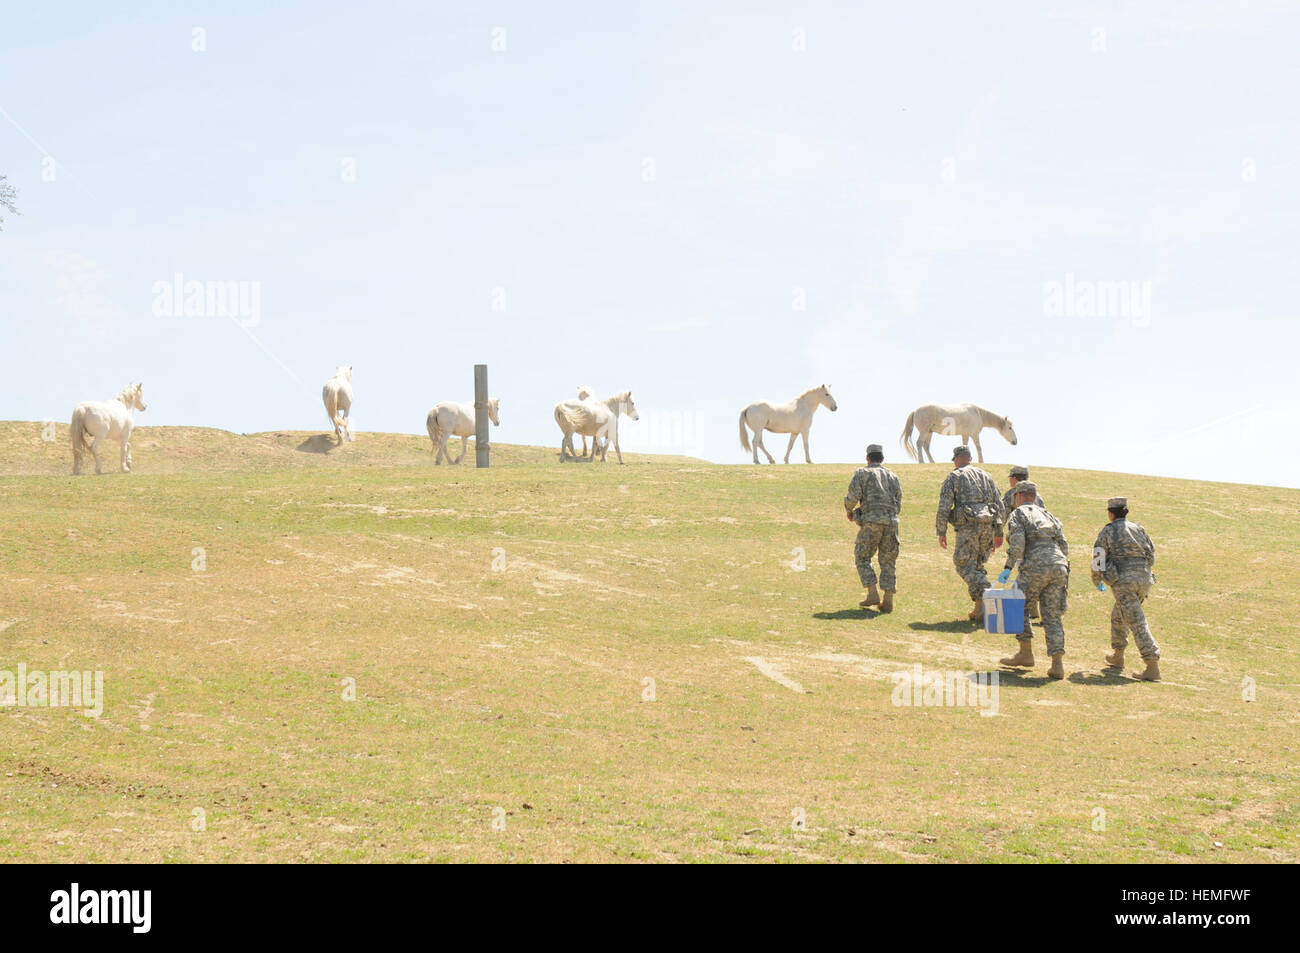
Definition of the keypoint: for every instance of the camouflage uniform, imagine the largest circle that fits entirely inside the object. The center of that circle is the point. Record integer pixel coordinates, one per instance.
(1009, 503)
(969, 500)
(1123, 556)
(874, 499)
(1035, 539)
(1009, 507)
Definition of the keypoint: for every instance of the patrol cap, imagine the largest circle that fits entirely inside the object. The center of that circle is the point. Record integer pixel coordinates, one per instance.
(875, 448)
(1021, 472)
(1117, 503)
(962, 451)
(1029, 489)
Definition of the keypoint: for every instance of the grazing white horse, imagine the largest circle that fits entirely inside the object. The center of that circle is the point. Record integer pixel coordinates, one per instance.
(596, 419)
(966, 420)
(450, 419)
(337, 394)
(105, 420)
(794, 418)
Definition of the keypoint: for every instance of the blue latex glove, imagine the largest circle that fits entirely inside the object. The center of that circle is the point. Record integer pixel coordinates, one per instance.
(1004, 575)
(1101, 587)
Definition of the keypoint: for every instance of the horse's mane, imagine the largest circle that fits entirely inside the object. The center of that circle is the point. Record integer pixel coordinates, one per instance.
(984, 412)
(126, 393)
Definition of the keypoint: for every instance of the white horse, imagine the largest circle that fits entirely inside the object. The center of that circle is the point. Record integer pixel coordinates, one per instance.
(596, 419)
(794, 418)
(337, 394)
(105, 420)
(450, 419)
(966, 420)
(585, 392)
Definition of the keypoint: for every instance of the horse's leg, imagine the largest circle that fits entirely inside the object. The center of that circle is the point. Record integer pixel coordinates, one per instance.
(464, 447)
(806, 458)
(617, 450)
(978, 448)
(790, 446)
(923, 447)
(94, 450)
(758, 442)
(754, 443)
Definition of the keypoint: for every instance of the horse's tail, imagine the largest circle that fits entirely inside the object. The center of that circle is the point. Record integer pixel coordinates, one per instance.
(332, 406)
(744, 431)
(431, 425)
(78, 433)
(906, 438)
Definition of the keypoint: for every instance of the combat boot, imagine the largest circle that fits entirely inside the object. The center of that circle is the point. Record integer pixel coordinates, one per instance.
(1024, 657)
(1115, 659)
(1058, 668)
(1151, 673)
(977, 614)
(887, 604)
(873, 597)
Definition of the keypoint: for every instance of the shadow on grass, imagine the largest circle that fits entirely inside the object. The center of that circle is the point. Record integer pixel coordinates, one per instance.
(960, 625)
(856, 613)
(1109, 676)
(1023, 677)
(320, 443)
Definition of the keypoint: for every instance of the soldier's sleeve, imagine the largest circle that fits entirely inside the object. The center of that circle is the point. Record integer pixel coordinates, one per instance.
(1061, 540)
(854, 497)
(1015, 540)
(1102, 546)
(897, 487)
(945, 506)
(1150, 548)
(995, 502)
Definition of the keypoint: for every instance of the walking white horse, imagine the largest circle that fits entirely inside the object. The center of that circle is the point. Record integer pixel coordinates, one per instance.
(337, 394)
(450, 419)
(105, 420)
(585, 392)
(794, 418)
(966, 420)
(596, 419)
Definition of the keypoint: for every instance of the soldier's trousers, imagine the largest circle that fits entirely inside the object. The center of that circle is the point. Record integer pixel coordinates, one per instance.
(873, 539)
(1127, 616)
(1049, 588)
(970, 553)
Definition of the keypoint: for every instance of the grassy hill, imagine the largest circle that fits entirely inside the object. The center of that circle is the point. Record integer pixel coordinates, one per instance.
(521, 692)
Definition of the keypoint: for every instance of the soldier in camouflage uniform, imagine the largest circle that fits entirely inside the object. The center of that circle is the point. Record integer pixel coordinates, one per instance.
(1036, 542)
(1019, 473)
(1123, 556)
(969, 501)
(873, 502)
(1009, 497)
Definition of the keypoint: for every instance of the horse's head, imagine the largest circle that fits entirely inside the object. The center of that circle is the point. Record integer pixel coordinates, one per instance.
(344, 371)
(133, 396)
(1008, 431)
(626, 406)
(824, 395)
(494, 411)
(585, 392)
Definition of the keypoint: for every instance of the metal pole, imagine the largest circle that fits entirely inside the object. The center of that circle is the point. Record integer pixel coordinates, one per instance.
(481, 421)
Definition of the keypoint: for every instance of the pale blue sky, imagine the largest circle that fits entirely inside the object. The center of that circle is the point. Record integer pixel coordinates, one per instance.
(920, 171)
